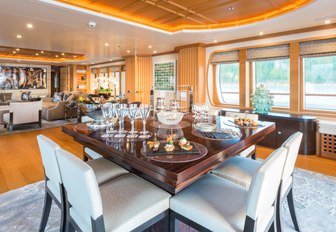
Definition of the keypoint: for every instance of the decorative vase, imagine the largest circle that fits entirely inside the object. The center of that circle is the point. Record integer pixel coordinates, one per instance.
(262, 100)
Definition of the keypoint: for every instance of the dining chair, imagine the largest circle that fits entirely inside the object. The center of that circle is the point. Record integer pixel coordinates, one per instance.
(122, 204)
(104, 170)
(251, 150)
(216, 204)
(241, 170)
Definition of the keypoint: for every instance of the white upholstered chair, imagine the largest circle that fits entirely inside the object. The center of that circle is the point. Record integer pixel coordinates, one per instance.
(250, 151)
(105, 170)
(122, 204)
(23, 113)
(241, 170)
(216, 204)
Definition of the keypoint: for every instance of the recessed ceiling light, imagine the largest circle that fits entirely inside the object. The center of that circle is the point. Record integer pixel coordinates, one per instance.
(149, 46)
(111, 59)
(18, 49)
(19, 36)
(106, 44)
(37, 54)
(56, 56)
(75, 56)
(261, 33)
(327, 22)
(215, 41)
(14, 52)
(91, 62)
(128, 51)
(62, 54)
(154, 51)
(231, 8)
(42, 52)
(29, 25)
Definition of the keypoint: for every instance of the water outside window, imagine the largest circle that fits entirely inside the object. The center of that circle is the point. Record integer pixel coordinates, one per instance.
(229, 83)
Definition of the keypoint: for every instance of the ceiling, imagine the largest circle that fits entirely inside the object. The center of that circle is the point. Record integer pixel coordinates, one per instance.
(175, 15)
(60, 27)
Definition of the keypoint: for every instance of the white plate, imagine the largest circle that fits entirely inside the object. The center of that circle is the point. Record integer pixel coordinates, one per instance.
(206, 126)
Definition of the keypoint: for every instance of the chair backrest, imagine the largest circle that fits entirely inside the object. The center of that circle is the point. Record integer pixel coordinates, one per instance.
(49, 160)
(25, 112)
(265, 184)
(81, 187)
(293, 145)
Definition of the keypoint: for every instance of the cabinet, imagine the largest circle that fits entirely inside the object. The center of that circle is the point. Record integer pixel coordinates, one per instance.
(286, 125)
(80, 82)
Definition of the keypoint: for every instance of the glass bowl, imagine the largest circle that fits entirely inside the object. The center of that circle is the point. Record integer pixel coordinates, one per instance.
(170, 117)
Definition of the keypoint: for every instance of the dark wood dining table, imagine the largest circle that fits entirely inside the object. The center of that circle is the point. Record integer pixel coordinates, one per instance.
(171, 176)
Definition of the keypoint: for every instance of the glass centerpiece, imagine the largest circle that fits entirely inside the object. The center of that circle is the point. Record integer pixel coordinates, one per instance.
(262, 100)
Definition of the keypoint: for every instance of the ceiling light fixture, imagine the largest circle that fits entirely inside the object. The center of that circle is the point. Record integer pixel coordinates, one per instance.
(14, 52)
(106, 44)
(37, 54)
(30, 26)
(19, 36)
(149, 46)
(261, 33)
(42, 52)
(215, 41)
(128, 51)
(18, 49)
(62, 54)
(154, 52)
(56, 56)
(231, 8)
(92, 24)
(327, 22)
(75, 56)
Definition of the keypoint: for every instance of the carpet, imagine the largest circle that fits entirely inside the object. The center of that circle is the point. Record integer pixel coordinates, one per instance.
(314, 195)
(45, 124)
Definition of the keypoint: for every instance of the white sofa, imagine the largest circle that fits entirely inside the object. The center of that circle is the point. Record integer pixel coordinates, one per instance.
(23, 113)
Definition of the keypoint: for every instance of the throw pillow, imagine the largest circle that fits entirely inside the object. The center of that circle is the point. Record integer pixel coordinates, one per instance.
(25, 96)
(58, 96)
(70, 98)
(66, 96)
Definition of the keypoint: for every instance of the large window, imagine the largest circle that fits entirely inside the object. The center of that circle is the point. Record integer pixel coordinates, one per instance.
(319, 78)
(274, 74)
(228, 78)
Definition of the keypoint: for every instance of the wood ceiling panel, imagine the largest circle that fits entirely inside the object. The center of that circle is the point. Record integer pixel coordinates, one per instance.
(173, 15)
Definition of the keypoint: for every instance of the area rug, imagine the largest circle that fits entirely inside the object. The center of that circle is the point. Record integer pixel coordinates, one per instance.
(314, 195)
(45, 124)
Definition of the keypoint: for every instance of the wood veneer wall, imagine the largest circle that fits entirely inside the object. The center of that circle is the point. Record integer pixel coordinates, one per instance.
(139, 78)
(294, 56)
(191, 70)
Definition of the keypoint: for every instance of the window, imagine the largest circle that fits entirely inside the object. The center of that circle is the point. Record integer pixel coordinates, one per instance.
(319, 78)
(274, 74)
(228, 79)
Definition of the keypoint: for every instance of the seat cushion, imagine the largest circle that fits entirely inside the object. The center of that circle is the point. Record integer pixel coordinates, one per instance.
(128, 201)
(105, 170)
(238, 169)
(48, 105)
(214, 203)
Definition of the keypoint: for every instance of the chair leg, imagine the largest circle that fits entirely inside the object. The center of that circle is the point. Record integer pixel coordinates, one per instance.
(271, 229)
(254, 156)
(278, 214)
(292, 209)
(46, 211)
(171, 221)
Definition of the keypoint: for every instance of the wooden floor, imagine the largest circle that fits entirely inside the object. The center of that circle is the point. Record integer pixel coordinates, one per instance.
(20, 161)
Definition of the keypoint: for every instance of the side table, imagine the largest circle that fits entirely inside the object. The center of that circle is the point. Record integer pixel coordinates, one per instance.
(70, 112)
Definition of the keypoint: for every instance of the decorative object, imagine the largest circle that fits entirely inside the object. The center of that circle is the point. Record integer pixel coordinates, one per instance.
(262, 101)
(164, 76)
(23, 77)
(170, 117)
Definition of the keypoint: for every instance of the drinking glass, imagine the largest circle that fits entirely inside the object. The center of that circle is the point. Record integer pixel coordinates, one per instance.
(132, 112)
(121, 112)
(107, 114)
(144, 111)
(174, 105)
(113, 119)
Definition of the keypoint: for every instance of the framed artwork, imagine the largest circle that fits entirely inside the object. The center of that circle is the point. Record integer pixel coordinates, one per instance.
(165, 76)
(23, 77)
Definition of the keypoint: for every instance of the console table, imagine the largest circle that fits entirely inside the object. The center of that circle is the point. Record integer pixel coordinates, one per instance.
(286, 125)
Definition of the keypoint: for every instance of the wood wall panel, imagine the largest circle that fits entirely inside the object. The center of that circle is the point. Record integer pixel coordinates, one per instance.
(130, 78)
(294, 56)
(191, 71)
(144, 79)
(243, 80)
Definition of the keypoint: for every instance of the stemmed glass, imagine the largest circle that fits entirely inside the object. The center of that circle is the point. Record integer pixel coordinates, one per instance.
(132, 112)
(121, 112)
(144, 111)
(107, 114)
(113, 119)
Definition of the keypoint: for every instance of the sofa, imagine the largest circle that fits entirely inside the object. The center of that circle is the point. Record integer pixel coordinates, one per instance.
(53, 108)
(25, 112)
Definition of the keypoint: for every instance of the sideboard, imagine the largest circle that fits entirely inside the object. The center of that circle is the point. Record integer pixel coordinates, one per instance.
(286, 125)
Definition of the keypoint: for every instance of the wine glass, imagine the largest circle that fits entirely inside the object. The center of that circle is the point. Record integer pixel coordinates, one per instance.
(144, 111)
(132, 112)
(174, 105)
(107, 114)
(113, 118)
(121, 112)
